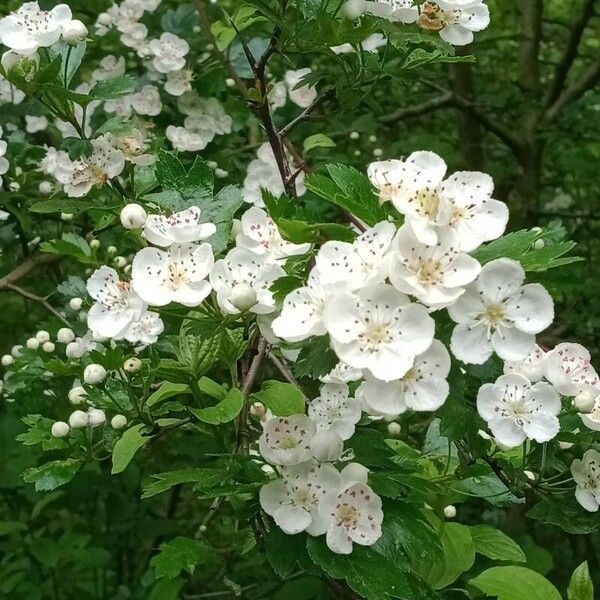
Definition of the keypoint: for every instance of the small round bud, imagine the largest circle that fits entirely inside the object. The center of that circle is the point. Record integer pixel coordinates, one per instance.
(60, 429)
(111, 250)
(258, 409)
(96, 417)
(74, 32)
(202, 529)
(357, 153)
(354, 8)
(377, 152)
(450, 511)
(236, 228)
(45, 187)
(133, 364)
(394, 428)
(212, 164)
(65, 335)
(104, 19)
(539, 244)
(565, 445)
(75, 303)
(94, 244)
(372, 138)
(120, 261)
(484, 434)
(7, 360)
(354, 135)
(42, 336)
(229, 82)
(221, 173)
(73, 350)
(17, 350)
(584, 402)
(78, 419)
(243, 296)
(66, 217)
(133, 216)
(14, 186)
(118, 421)
(530, 475)
(32, 343)
(77, 395)
(48, 347)
(536, 230)
(94, 374)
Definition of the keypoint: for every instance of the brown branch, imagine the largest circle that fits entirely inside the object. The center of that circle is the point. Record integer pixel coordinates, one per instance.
(529, 48)
(36, 298)
(26, 267)
(444, 100)
(283, 368)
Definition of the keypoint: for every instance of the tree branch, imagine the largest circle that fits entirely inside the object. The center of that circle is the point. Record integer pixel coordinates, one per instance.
(529, 48)
(417, 110)
(36, 298)
(26, 267)
(283, 368)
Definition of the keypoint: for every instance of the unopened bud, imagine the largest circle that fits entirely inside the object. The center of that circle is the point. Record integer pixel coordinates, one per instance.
(258, 409)
(118, 421)
(7, 360)
(48, 347)
(75, 303)
(96, 417)
(94, 374)
(77, 395)
(60, 429)
(42, 336)
(354, 8)
(65, 335)
(133, 364)
(32, 343)
(74, 32)
(584, 402)
(133, 216)
(95, 244)
(450, 511)
(78, 419)
(394, 428)
(530, 475)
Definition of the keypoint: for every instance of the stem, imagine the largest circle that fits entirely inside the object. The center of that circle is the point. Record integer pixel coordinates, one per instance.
(69, 49)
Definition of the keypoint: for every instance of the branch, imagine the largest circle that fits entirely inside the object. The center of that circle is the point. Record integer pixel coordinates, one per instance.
(302, 116)
(25, 268)
(564, 66)
(283, 368)
(36, 298)
(442, 101)
(529, 48)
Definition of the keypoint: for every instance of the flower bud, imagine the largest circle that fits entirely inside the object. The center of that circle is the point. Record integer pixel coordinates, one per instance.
(132, 365)
(78, 419)
(7, 360)
(94, 374)
(77, 395)
(565, 445)
(258, 409)
(118, 421)
(17, 350)
(111, 250)
(48, 347)
(66, 217)
(268, 470)
(45, 187)
(243, 296)
(120, 262)
(74, 350)
(377, 152)
(60, 429)
(96, 417)
(94, 244)
(327, 446)
(450, 511)
(354, 8)
(539, 244)
(229, 82)
(74, 32)
(394, 428)
(133, 216)
(42, 336)
(32, 343)
(221, 173)
(65, 335)
(104, 19)
(584, 402)
(236, 228)
(530, 475)
(372, 138)
(75, 303)
(354, 135)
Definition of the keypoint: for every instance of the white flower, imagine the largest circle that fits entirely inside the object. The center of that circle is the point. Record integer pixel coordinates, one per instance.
(133, 145)
(145, 330)
(94, 374)
(378, 329)
(586, 474)
(179, 82)
(435, 275)
(176, 275)
(423, 387)
(516, 410)
(109, 67)
(244, 276)
(81, 346)
(181, 227)
(498, 313)
(369, 44)
(303, 96)
(456, 20)
(169, 52)
(260, 235)
(569, 370)
(34, 123)
(293, 501)
(354, 512)
(133, 216)
(146, 101)
(342, 373)
(120, 106)
(286, 440)
(403, 11)
(531, 367)
(117, 306)
(277, 95)
(185, 141)
(30, 28)
(591, 419)
(335, 411)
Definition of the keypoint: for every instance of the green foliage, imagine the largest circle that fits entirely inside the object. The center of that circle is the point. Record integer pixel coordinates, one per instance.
(127, 445)
(223, 412)
(53, 474)
(581, 586)
(181, 554)
(515, 583)
(283, 399)
(495, 544)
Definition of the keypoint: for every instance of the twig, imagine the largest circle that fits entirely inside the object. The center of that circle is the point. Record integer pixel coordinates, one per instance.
(444, 100)
(26, 267)
(283, 368)
(36, 298)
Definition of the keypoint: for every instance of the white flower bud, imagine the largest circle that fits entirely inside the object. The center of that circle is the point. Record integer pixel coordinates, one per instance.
(354, 8)
(221, 173)
(133, 216)
(104, 19)
(45, 187)
(78, 419)
(372, 138)
(377, 152)
(75, 303)
(96, 417)
(17, 350)
(536, 230)
(118, 421)
(66, 216)
(258, 409)
(74, 32)
(243, 296)
(327, 446)
(212, 164)
(584, 402)
(357, 153)
(77, 395)
(394, 428)
(450, 511)
(111, 250)
(14, 186)
(267, 470)
(133, 364)
(48, 347)
(565, 445)
(202, 529)
(539, 244)
(42, 336)
(120, 261)
(60, 429)
(73, 350)
(354, 135)
(530, 475)
(229, 82)
(65, 335)
(484, 434)
(236, 228)
(32, 343)
(94, 244)
(7, 360)
(94, 374)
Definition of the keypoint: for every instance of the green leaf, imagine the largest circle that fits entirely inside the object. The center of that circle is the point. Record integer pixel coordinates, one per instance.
(285, 552)
(180, 21)
(167, 589)
(53, 474)
(223, 412)
(77, 148)
(8, 527)
(181, 554)
(164, 481)
(126, 447)
(167, 390)
(459, 553)
(566, 513)
(115, 87)
(212, 388)
(316, 358)
(515, 583)
(318, 140)
(39, 432)
(284, 399)
(581, 586)
(62, 205)
(72, 245)
(495, 544)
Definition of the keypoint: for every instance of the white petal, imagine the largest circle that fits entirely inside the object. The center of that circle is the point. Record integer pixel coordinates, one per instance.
(501, 278)
(470, 344)
(512, 344)
(507, 432)
(532, 310)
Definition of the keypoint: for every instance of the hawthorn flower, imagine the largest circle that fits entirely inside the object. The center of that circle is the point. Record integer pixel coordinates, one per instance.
(242, 281)
(342, 373)
(179, 82)
(145, 330)
(304, 95)
(34, 123)
(423, 387)
(260, 235)
(498, 313)
(286, 440)
(109, 67)
(516, 410)
(531, 367)
(569, 370)
(181, 227)
(81, 346)
(175, 275)
(586, 473)
(146, 101)
(169, 52)
(353, 512)
(117, 306)
(29, 28)
(378, 329)
(293, 501)
(456, 20)
(184, 140)
(335, 411)
(435, 275)
(133, 145)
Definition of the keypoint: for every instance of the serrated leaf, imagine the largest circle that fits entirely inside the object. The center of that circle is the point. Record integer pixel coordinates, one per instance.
(283, 399)
(39, 432)
(495, 544)
(316, 358)
(164, 481)
(318, 140)
(181, 554)
(115, 87)
(53, 474)
(167, 390)
(62, 205)
(126, 447)
(515, 583)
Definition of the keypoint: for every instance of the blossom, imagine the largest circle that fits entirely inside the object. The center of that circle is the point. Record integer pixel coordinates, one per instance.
(132, 144)
(586, 474)
(370, 44)
(146, 101)
(342, 373)
(179, 82)
(30, 28)
(4, 164)
(260, 235)
(169, 52)
(456, 20)
(145, 330)
(591, 419)
(180, 227)
(286, 440)
(117, 306)
(435, 275)
(109, 67)
(293, 501)
(175, 275)
(81, 346)
(378, 329)
(34, 123)
(242, 281)
(304, 95)
(354, 512)
(531, 367)
(516, 410)
(423, 387)
(569, 370)
(498, 313)
(335, 411)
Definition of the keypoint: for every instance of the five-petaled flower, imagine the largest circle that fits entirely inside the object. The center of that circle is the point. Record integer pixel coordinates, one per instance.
(586, 474)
